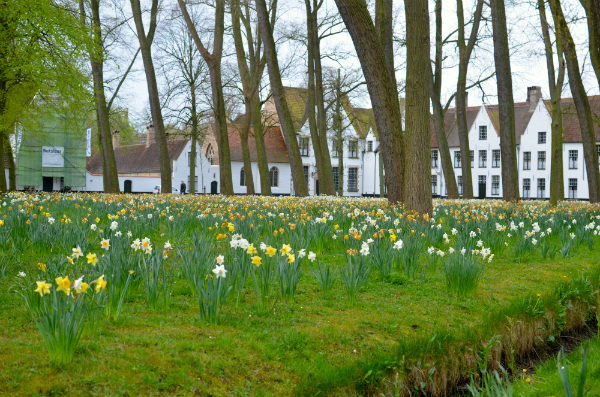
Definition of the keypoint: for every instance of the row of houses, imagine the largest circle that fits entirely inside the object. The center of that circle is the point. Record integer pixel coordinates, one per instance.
(139, 165)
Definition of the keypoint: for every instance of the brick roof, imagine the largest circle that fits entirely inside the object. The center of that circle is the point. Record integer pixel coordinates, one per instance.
(136, 159)
(571, 129)
(274, 144)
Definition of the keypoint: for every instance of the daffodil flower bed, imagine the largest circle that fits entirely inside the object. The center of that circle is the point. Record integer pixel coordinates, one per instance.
(281, 296)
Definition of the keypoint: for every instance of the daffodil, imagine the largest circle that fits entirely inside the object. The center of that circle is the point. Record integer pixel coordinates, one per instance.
(220, 271)
(251, 250)
(77, 253)
(43, 287)
(291, 258)
(63, 285)
(105, 244)
(285, 249)
(256, 260)
(271, 251)
(100, 284)
(79, 286)
(92, 258)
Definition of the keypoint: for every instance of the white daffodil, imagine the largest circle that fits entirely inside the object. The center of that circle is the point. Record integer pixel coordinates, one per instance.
(220, 271)
(312, 256)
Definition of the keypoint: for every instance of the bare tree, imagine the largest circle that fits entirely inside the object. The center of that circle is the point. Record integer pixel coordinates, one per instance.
(251, 66)
(438, 110)
(383, 92)
(465, 49)
(580, 99)
(417, 134)
(506, 104)
(285, 117)
(592, 13)
(213, 60)
(186, 74)
(145, 40)
(556, 85)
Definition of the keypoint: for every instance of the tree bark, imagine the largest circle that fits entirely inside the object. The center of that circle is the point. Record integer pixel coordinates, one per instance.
(326, 174)
(580, 99)
(195, 131)
(506, 104)
(155, 109)
(214, 66)
(465, 49)
(417, 134)
(382, 91)
(438, 110)
(250, 76)
(283, 111)
(385, 29)
(592, 12)
(96, 54)
(3, 98)
(311, 103)
(556, 168)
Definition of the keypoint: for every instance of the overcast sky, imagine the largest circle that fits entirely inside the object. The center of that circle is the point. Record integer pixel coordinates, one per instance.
(527, 57)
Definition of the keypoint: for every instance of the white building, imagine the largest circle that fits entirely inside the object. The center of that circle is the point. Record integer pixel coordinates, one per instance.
(534, 141)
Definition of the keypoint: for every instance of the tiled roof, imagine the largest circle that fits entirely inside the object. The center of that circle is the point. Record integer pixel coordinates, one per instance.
(523, 113)
(362, 119)
(274, 144)
(571, 129)
(135, 159)
(297, 101)
(451, 127)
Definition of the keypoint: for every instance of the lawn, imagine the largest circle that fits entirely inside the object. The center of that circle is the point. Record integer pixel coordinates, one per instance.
(406, 331)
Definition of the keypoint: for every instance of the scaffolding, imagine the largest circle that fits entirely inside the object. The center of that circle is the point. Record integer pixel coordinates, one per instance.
(67, 139)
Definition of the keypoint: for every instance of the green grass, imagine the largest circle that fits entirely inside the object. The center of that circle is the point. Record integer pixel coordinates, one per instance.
(545, 380)
(315, 343)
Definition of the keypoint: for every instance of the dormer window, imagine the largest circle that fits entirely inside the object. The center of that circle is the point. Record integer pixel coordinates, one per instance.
(483, 133)
(369, 146)
(353, 148)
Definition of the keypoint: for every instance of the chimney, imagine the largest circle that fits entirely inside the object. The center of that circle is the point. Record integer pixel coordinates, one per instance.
(534, 94)
(116, 139)
(150, 135)
(466, 104)
(126, 114)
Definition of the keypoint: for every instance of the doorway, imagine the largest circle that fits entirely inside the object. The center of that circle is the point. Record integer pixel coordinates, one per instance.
(482, 186)
(47, 183)
(316, 187)
(213, 187)
(127, 186)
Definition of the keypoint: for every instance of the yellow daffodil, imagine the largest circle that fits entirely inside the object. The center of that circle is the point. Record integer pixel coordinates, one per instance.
(291, 258)
(63, 285)
(100, 284)
(42, 266)
(251, 250)
(92, 258)
(43, 287)
(285, 249)
(256, 260)
(271, 251)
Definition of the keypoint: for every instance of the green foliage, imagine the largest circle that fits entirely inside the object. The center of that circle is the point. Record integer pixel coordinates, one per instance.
(462, 273)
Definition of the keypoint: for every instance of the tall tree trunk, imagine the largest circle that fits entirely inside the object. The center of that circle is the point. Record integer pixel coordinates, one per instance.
(592, 12)
(417, 134)
(3, 95)
(194, 149)
(384, 26)
(96, 54)
(326, 174)
(465, 49)
(582, 104)
(338, 129)
(214, 66)
(261, 151)
(506, 104)
(155, 110)
(283, 111)
(248, 175)
(312, 112)
(383, 92)
(438, 110)
(556, 157)
(381, 176)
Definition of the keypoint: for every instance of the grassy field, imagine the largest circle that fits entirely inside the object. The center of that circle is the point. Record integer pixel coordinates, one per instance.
(406, 333)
